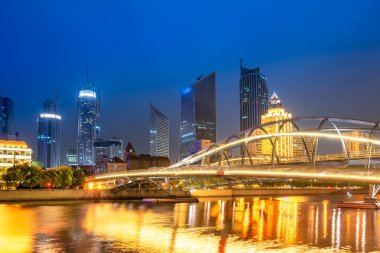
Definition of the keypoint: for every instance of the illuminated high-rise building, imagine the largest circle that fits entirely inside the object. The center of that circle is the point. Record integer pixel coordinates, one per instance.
(88, 124)
(198, 113)
(159, 133)
(253, 97)
(284, 144)
(49, 136)
(6, 116)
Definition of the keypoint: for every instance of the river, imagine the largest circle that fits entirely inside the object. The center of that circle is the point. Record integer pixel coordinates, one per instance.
(250, 224)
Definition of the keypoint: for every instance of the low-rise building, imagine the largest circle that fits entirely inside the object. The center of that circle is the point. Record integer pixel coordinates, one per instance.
(139, 162)
(14, 153)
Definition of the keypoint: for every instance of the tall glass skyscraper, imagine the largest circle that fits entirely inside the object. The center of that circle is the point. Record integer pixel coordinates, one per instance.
(49, 136)
(253, 97)
(6, 115)
(198, 113)
(159, 133)
(88, 124)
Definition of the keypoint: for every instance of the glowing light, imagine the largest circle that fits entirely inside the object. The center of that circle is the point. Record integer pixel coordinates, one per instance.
(91, 186)
(87, 93)
(198, 156)
(50, 116)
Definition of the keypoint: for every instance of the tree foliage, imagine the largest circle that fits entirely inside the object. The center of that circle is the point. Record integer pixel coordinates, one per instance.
(34, 177)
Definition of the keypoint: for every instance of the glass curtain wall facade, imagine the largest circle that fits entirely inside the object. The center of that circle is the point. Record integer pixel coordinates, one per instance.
(88, 124)
(198, 113)
(49, 136)
(253, 97)
(6, 115)
(159, 133)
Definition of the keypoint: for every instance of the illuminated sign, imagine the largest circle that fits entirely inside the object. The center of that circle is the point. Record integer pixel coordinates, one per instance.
(87, 93)
(50, 115)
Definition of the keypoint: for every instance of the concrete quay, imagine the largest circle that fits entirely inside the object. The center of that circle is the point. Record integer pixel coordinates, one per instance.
(84, 194)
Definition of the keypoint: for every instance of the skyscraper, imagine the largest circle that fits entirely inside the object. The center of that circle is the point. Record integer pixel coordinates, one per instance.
(159, 133)
(88, 124)
(284, 144)
(49, 136)
(6, 116)
(198, 113)
(253, 97)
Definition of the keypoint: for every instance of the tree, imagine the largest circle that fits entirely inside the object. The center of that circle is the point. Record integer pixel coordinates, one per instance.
(66, 176)
(53, 178)
(14, 176)
(78, 178)
(32, 176)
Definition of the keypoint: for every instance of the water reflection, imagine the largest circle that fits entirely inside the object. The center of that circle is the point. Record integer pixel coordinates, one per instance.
(220, 225)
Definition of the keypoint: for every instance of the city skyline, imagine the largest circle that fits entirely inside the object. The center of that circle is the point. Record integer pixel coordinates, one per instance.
(334, 51)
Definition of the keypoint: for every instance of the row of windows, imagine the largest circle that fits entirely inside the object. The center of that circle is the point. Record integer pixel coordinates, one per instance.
(14, 152)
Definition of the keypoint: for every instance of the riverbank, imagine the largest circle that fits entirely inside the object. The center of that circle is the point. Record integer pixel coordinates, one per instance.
(84, 194)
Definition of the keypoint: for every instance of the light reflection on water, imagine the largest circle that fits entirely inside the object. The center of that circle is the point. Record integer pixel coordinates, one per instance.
(288, 224)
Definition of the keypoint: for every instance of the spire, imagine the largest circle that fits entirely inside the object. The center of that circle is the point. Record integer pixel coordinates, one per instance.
(275, 100)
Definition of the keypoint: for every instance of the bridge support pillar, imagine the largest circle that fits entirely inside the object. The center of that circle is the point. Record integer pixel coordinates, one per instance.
(167, 181)
(373, 190)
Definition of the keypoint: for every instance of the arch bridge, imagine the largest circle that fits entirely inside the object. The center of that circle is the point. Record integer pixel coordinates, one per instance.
(306, 148)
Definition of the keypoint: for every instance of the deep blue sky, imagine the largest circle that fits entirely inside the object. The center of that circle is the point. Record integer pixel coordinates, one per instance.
(321, 57)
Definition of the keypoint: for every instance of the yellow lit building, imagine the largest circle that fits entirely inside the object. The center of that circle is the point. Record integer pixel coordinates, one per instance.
(299, 151)
(355, 148)
(284, 144)
(13, 153)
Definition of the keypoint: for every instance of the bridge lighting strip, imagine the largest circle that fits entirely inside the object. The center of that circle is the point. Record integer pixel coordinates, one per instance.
(197, 157)
(239, 172)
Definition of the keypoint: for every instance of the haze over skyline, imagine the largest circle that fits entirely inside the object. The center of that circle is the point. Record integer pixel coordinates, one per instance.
(321, 58)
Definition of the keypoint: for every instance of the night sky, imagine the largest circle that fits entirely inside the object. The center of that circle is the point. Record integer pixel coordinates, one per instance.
(321, 57)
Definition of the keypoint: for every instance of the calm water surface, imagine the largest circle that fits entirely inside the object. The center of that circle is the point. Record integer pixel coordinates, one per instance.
(250, 224)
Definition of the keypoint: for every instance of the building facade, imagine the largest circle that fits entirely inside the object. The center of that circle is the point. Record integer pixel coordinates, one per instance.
(88, 124)
(49, 136)
(142, 161)
(198, 113)
(159, 133)
(284, 144)
(6, 116)
(108, 149)
(253, 97)
(357, 149)
(71, 157)
(13, 153)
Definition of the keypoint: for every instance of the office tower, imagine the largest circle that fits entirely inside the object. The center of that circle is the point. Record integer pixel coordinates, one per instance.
(284, 144)
(253, 97)
(88, 124)
(71, 157)
(49, 135)
(108, 149)
(6, 116)
(159, 133)
(198, 113)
